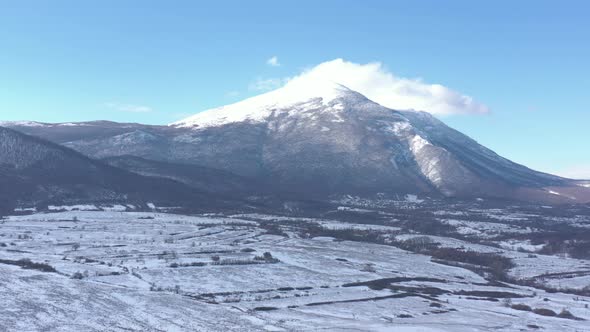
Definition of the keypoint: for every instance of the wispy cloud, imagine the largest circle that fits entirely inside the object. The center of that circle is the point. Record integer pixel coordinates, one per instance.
(129, 107)
(267, 84)
(273, 61)
(380, 85)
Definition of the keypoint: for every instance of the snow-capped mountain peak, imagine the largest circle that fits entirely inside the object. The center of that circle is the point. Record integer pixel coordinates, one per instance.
(298, 92)
(319, 137)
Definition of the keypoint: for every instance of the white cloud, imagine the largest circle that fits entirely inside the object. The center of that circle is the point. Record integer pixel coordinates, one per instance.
(129, 107)
(273, 61)
(267, 84)
(378, 84)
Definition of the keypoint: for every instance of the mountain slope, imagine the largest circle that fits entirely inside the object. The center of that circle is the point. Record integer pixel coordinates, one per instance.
(35, 171)
(205, 179)
(334, 139)
(318, 139)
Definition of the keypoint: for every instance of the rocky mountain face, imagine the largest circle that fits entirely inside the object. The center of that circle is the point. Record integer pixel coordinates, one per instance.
(317, 139)
(34, 171)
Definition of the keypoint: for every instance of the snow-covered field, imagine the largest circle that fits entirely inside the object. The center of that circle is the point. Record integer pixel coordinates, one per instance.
(149, 271)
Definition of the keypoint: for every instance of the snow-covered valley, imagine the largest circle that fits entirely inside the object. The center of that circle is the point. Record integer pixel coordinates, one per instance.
(344, 270)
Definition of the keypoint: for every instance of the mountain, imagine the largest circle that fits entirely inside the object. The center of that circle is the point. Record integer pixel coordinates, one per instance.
(319, 139)
(34, 171)
(325, 136)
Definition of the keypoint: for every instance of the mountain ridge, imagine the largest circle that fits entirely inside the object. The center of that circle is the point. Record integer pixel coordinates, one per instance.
(34, 171)
(322, 139)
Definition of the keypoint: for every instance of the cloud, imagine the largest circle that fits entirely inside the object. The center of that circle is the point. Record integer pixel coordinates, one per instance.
(378, 84)
(267, 84)
(273, 61)
(129, 108)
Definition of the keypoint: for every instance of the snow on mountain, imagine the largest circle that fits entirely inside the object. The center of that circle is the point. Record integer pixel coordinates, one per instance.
(318, 131)
(321, 138)
(21, 124)
(35, 171)
(39, 124)
(297, 94)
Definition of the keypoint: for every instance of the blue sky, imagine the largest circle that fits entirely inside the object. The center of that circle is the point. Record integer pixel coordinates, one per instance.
(157, 61)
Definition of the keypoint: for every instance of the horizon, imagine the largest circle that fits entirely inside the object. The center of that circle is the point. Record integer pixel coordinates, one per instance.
(515, 83)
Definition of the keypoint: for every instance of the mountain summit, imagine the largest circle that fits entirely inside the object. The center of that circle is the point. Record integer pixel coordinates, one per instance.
(320, 138)
(297, 95)
(325, 136)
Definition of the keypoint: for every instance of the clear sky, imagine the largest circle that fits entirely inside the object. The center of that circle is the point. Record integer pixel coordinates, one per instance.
(159, 61)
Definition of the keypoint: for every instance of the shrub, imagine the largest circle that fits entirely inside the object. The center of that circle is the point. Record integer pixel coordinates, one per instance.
(38, 266)
(29, 265)
(235, 262)
(521, 307)
(272, 229)
(196, 264)
(419, 244)
(566, 314)
(497, 264)
(266, 257)
(175, 265)
(265, 308)
(545, 312)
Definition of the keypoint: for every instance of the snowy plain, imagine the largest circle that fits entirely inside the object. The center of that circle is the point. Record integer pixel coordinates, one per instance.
(153, 271)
